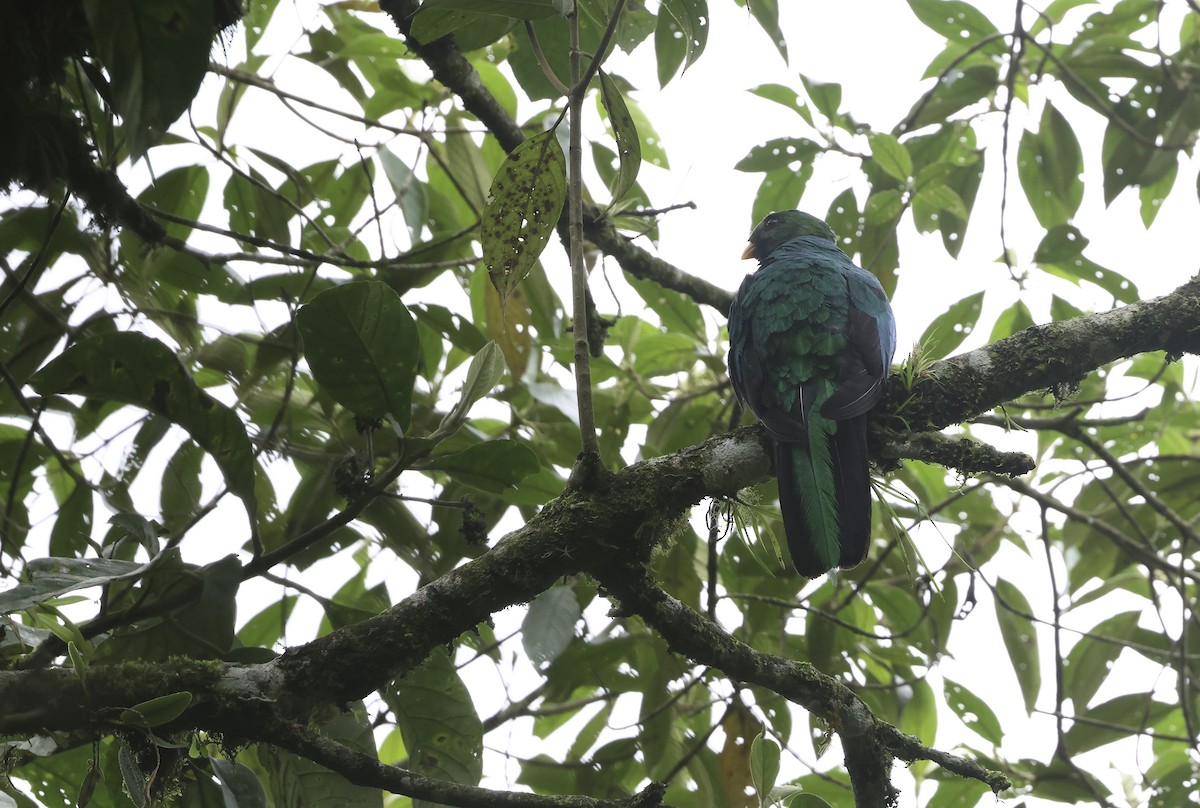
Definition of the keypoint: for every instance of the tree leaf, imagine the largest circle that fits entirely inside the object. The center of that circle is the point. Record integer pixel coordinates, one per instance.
(1050, 166)
(948, 330)
(764, 765)
(485, 372)
(767, 14)
(526, 199)
(409, 191)
(362, 346)
(957, 89)
(158, 711)
(974, 712)
(549, 625)
(157, 55)
(890, 155)
(239, 784)
(680, 35)
(1090, 661)
(51, 577)
(437, 718)
(629, 145)
(495, 465)
(1020, 639)
(132, 368)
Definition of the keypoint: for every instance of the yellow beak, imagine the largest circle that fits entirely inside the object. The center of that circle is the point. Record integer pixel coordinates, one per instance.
(748, 252)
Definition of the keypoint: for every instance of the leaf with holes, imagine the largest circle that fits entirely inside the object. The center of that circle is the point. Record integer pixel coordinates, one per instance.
(948, 330)
(362, 346)
(526, 199)
(437, 718)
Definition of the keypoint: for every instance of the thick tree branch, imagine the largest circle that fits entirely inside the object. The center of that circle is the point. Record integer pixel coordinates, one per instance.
(1044, 357)
(584, 531)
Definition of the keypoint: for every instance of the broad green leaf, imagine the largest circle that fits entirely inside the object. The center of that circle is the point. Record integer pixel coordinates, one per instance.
(891, 155)
(1020, 639)
(764, 765)
(680, 36)
(1090, 661)
(1154, 194)
(158, 711)
(1050, 166)
(1013, 319)
(526, 199)
(952, 92)
(974, 712)
(1132, 710)
(826, 97)
(629, 145)
(157, 55)
(780, 189)
(181, 192)
(949, 329)
(767, 14)
(956, 20)
(181, 489)
(783, 152)
(495, 465)
(132, 368)
(255, 208)
(442, 731)
(517, 9)
(784, 96)
(549, 625)
(297, 781)
(362, 346)
(240, 786)
(919, 715)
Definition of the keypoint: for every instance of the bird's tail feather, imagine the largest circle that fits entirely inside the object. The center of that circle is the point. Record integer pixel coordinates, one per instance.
(825, 495)
(808, 501)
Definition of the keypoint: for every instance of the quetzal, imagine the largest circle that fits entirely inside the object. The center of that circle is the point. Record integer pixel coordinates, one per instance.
(811, 337)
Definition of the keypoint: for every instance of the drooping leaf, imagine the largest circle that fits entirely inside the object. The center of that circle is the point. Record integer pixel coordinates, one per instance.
(132, 368)
(629, 145)
(157, 55)
(549, 625)
(1020, 639)
(362, 346)
(1050, 166)
(680, 36)
(526, 199)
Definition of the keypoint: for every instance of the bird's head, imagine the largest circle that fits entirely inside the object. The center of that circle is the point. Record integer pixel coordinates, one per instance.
(781, 227)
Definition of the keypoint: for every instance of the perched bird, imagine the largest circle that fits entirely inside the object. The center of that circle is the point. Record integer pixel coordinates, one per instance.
(811, 337)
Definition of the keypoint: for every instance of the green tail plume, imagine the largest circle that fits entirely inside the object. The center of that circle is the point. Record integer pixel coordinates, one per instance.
(808, 499)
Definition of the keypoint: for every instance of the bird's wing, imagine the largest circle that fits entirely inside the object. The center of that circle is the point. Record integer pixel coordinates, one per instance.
(871, 341)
